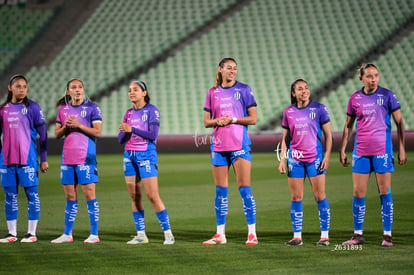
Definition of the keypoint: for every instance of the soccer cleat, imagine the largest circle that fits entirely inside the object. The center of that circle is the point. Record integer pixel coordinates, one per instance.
(140, 238)
(9, 238)
(63, 239)
(169, 239)
(357, 239)
(92, 239)
(252, 240)
(323, 242)
(217, 239)
(386, 241)
(29, 238)
(294, 242)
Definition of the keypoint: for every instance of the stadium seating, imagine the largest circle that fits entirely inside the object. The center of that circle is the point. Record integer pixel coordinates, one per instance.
(274, 42)
(394, 67)
(22, 26)
(118, 38)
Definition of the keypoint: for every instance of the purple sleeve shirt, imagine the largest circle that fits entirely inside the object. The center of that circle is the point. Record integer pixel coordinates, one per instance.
(373, 121)
(20, 126)
(141, 119)
(305, 129)
(79, 148)
(234, 102)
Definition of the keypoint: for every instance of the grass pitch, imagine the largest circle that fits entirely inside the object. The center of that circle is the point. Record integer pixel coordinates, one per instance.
(187, 189)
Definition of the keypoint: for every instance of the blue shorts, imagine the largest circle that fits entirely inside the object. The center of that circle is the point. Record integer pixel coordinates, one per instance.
(24, 175)
(143, 164)
(229, 157)
(78, 174)
(298, 169)
(378, 164)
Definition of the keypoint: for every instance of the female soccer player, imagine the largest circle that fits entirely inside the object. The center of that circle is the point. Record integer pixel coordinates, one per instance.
(21, 121)
(139, 131)
(303, 122)
(372, 107)
(80, 122)
(229, 107)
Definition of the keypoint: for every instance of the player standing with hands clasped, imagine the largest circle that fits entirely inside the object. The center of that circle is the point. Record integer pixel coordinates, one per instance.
(80, 122)
(139, 132)
(303, 122)
(372, 108)
(229, 107)
(21, 121)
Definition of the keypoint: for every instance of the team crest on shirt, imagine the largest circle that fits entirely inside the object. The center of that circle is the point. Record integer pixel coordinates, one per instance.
(312, 113)
(24, 111)
(236, 94)
(380, 100)
(83, 112)
(144, 116)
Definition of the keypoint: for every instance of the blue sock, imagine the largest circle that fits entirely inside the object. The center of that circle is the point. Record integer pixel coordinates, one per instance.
(358, 211)
(324, 214)
(249, 204)
(164, 220)
(93, 211)
(11, 207)
(221, 204)
(139, 220)
(32, 195)
(70, 216)
(387, 211)
(296, 215)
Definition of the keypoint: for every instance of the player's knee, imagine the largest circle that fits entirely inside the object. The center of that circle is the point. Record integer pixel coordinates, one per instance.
(154, 199)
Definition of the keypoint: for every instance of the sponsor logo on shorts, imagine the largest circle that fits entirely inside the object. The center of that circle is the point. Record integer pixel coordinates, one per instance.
(239, 153)
(86, 168)
(30, 171)
(147, 165)
(384, 158)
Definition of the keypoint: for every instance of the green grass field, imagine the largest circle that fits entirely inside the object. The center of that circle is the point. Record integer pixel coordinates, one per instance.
(187, 189)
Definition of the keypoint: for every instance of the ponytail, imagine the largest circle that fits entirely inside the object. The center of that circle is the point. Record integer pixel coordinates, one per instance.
(219, 77)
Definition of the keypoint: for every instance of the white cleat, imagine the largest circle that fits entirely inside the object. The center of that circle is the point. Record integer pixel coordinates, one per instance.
(140, 238)
(169, 239)
(92, 239)
(63, 239)
(8, 239)
(29, 238)
(217, 239)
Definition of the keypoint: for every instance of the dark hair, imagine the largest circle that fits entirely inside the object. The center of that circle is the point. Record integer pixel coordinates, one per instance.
(9, 97)
(362, 69)
(293, 99)
(219, 77)
(143, 87)
(66, 98)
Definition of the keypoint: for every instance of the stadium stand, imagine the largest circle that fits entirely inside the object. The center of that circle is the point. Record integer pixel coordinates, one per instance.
(18, 33)
(394, 67)
(119, 37)
(274, 41)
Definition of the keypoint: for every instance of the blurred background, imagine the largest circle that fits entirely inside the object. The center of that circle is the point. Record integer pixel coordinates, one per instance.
(175, 47)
